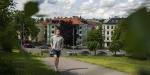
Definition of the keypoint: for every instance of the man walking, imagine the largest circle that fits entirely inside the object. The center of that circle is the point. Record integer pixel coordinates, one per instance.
(57, 46)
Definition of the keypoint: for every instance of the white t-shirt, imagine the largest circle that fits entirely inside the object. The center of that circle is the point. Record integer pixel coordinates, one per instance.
(56, 42)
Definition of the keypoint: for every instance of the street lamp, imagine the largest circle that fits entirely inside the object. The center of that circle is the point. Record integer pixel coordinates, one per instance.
(73, 38)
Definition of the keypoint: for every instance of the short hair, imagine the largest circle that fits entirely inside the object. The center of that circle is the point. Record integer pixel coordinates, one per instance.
(56, 30)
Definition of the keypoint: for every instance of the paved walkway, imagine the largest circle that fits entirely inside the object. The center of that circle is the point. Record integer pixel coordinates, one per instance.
(73, 67)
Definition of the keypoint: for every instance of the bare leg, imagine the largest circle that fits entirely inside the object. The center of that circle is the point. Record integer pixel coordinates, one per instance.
(56, 62)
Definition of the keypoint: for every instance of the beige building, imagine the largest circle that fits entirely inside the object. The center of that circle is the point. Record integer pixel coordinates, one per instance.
(41, 34)
(108, 27)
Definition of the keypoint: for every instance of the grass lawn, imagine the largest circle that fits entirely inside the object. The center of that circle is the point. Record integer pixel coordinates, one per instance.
(123, 64)
(22, 64)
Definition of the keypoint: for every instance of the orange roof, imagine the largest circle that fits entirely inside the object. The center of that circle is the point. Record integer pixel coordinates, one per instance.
(73, 20)
(76, 21)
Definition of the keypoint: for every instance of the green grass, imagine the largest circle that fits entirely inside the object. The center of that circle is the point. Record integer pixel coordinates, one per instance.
(123, 64)
(22, 64)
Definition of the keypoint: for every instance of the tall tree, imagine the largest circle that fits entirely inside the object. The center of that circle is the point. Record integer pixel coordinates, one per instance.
(6, 33)
(134, 34)
(95, 39)
(10, 23)
(96, 35)
(117, 43)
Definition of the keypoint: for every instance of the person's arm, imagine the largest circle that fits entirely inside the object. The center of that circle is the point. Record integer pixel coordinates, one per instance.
(62, 44)
(51, 42)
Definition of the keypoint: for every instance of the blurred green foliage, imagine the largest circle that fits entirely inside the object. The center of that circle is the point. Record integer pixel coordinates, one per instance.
(31, 8)
(92, 45)
(13, 21)
(22, 64)
(96, 35)
(95, 39)
(144, 71)
(5, 3)
(134, 33)
(115, 46)
(7, 33)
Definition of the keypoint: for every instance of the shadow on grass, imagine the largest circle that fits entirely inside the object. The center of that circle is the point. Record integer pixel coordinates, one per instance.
(67, 71)
(73, 69)
(22, 64)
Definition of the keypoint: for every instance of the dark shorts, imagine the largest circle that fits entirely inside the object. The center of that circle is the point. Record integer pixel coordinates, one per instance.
(56, 52)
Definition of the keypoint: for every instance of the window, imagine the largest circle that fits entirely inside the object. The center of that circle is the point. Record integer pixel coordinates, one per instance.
(107, 38)
(107, 32)
(112, 27)
(108, 44)
(107, 27)
(52, 32)
(52, 26)
(80, 27)
(80, 32)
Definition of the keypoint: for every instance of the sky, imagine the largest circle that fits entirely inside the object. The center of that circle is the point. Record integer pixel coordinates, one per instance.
(85, 8)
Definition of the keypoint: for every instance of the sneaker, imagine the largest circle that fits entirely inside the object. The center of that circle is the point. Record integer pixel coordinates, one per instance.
(56, 69)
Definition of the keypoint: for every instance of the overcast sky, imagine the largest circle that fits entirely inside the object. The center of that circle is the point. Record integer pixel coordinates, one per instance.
(84, 8)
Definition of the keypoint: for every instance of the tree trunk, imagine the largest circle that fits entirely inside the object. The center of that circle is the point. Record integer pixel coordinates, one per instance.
(91, 52)
(95, 52)
(115, 53)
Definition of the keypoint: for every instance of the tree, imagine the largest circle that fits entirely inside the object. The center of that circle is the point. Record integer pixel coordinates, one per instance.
(96, 35)
(100, 39)
(31, 8)
(26, 24)
(8, 38)
(6, 33)
(134, 34)
(92, 46)
(115, 46)
(117, 43)
(94, 39)
(4, 4)
(11, 21)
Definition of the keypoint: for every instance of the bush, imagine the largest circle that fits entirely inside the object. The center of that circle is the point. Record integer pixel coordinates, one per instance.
(144, 71)
(8, 38)
(6, 67)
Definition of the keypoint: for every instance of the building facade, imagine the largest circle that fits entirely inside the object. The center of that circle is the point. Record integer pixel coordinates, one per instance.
(108, 27)
(83, 30)
(74, 30)
(68, 27)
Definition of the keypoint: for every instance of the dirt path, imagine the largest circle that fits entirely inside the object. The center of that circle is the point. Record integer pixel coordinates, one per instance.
(73, 67)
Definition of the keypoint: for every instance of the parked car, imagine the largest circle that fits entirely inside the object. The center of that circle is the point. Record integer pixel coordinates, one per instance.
(44, 47)
(27, 45)
(84, 52)
(101, 53)
(120, 53)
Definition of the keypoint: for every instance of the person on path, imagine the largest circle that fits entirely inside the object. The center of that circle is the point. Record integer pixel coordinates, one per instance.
(56, 42)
